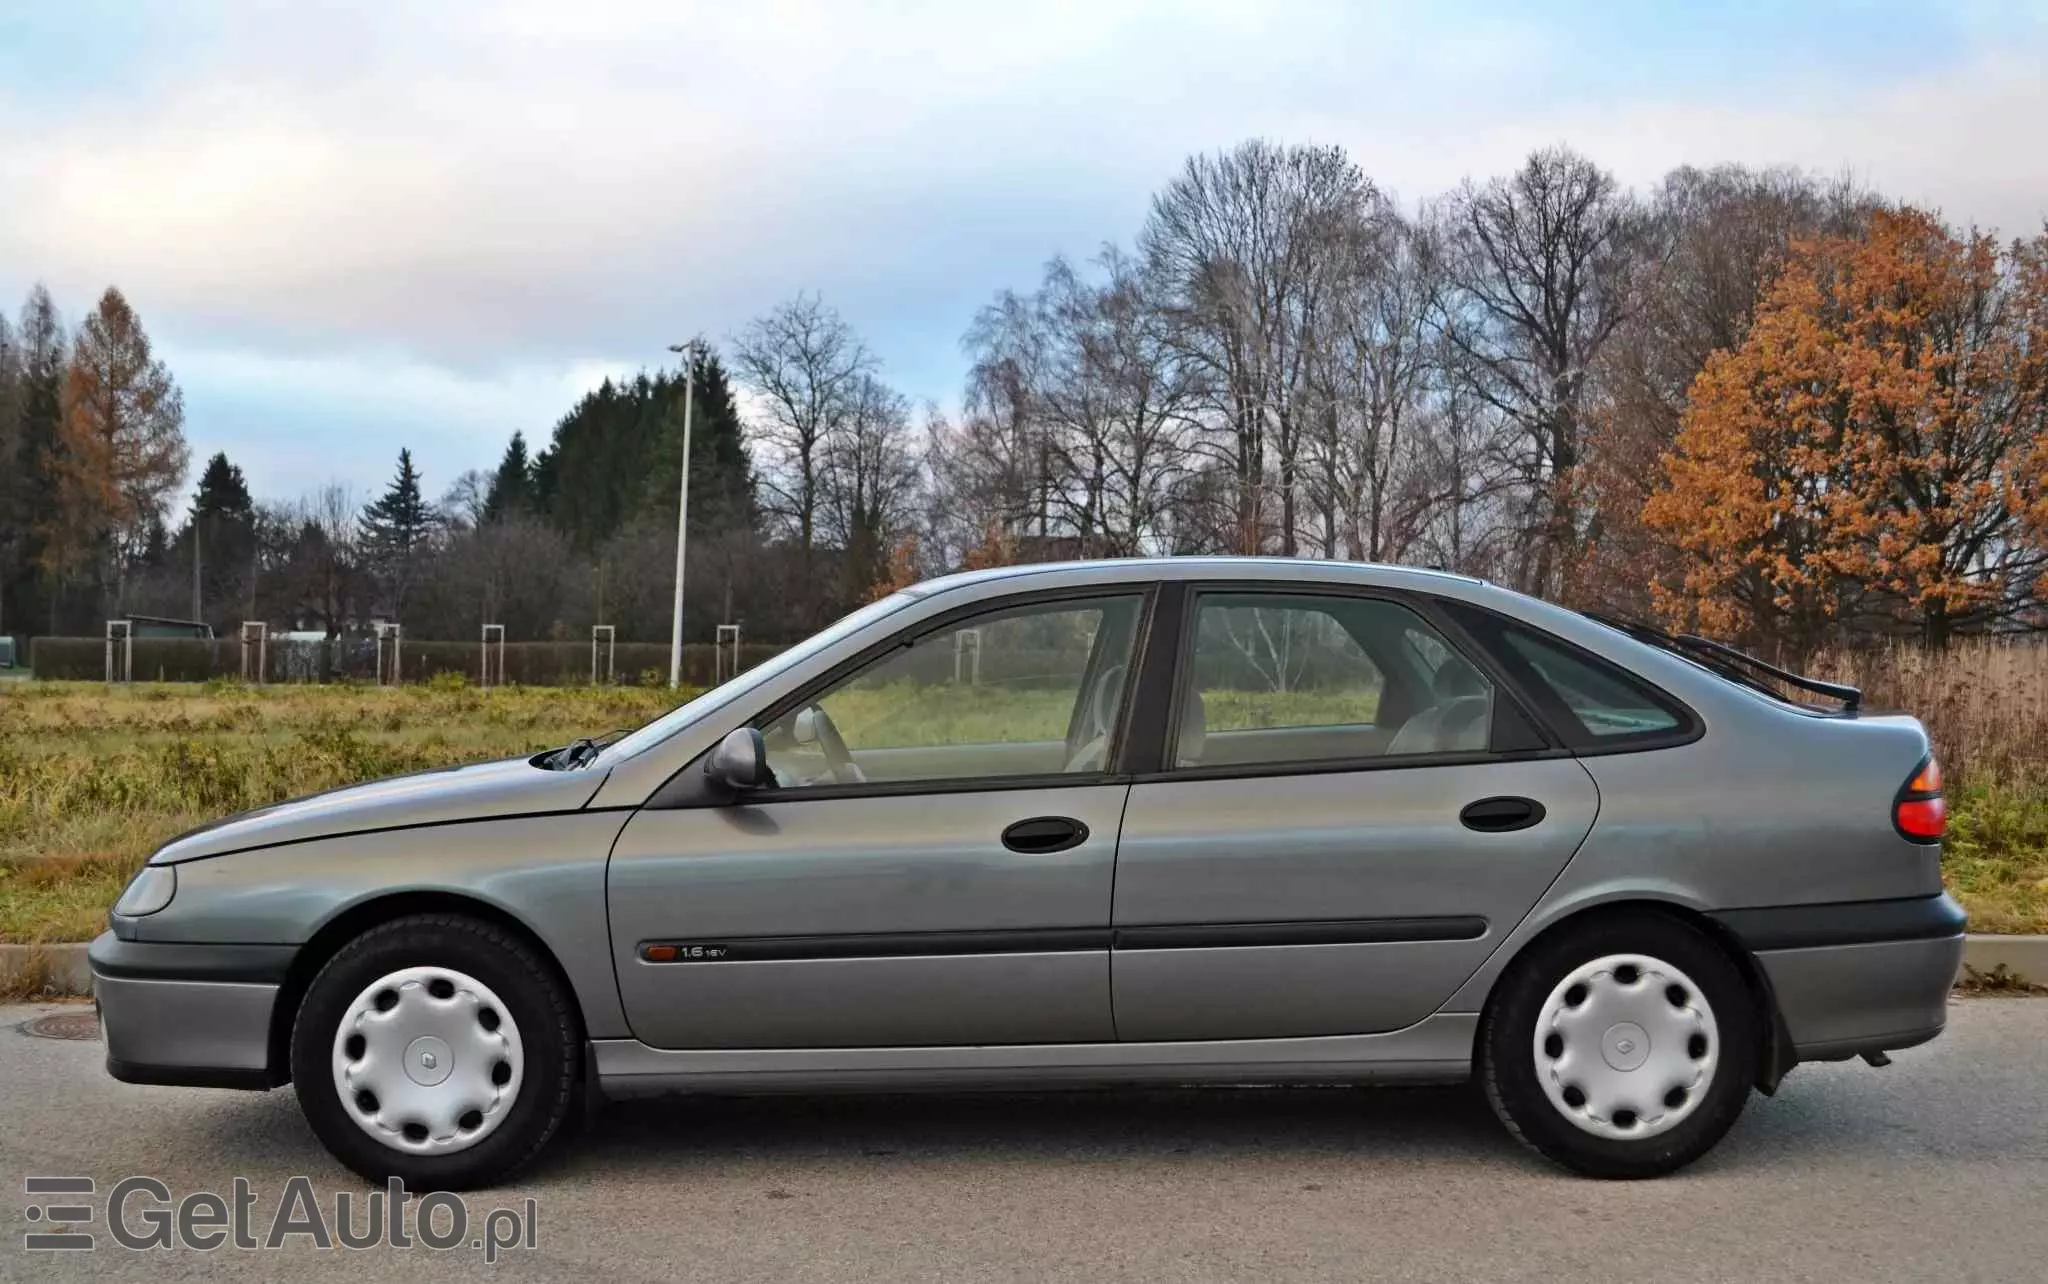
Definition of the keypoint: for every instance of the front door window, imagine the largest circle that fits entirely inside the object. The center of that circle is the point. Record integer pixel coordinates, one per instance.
(1022, 691)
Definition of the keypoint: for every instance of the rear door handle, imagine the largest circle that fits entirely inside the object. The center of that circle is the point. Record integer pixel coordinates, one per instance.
(1043, 835)
(1501, 815)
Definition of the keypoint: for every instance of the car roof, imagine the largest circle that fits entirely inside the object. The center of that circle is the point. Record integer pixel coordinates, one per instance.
(1290, 569)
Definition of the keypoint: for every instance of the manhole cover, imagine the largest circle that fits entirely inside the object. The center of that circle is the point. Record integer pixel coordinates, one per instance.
(82, 1026)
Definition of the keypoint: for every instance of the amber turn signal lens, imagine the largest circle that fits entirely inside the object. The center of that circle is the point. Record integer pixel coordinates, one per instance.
(659, 954)
(1927, 780)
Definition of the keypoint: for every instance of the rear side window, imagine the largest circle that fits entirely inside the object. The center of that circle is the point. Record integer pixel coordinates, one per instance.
(1596, 704)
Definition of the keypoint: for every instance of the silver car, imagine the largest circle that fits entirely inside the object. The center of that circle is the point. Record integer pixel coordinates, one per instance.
(1148, 822)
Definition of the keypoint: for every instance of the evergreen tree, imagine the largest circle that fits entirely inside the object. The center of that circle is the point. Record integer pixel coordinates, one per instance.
(617, 457)
(512, 485)
(223, 521)
(13, 524)
(223, 492)
(37, 411)
(396, 528)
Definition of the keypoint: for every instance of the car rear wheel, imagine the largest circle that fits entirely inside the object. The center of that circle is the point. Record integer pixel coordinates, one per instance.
(1624, 1047)
(436, 1048)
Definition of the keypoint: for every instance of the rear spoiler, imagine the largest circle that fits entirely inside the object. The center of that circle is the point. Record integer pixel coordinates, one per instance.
(1851, 697)
(1737, 666)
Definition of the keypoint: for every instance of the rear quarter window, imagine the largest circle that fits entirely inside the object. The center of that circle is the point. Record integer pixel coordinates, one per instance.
(1593, 703)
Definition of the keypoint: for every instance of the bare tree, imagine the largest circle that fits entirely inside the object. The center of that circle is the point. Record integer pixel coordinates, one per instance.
(1545, 263)
(1374, 370)
(867, 479)
(807, 367)
(462, 504)
(1242, 240)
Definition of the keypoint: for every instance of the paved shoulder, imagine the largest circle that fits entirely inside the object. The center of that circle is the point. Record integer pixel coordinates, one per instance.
(1935, 1166)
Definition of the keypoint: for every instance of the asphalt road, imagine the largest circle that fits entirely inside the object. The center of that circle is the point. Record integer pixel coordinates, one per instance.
(1936, 1167)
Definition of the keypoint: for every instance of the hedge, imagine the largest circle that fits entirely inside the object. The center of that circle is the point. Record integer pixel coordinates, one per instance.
(355, 659)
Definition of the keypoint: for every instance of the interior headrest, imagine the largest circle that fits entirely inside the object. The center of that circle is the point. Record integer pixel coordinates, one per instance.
(1455, 679)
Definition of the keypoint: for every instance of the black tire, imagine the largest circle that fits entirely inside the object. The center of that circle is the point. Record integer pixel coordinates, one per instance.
(1508, 1068)
(542, 1007)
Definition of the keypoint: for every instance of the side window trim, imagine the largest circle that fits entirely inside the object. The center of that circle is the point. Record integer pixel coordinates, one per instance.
(1187, 596)
(682, 790)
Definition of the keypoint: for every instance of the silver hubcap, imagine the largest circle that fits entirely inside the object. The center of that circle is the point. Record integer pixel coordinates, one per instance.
(1626, 1046)
(428, 1060)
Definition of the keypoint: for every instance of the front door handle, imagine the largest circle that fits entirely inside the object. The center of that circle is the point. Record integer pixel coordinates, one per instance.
(1043, 835)
(1501, 815)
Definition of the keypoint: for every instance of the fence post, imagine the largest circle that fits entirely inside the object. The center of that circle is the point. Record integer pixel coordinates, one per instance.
(492, 632)
(610, 638)
(122, 631)
(396, 633)
(718, 667)
(258, 632)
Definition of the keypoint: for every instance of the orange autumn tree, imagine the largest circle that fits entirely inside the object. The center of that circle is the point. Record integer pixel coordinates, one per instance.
(1873, 458)
(120, 449)
(997, 548)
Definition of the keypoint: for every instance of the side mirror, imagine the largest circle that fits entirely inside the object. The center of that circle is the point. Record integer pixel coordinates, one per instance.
(740, 762)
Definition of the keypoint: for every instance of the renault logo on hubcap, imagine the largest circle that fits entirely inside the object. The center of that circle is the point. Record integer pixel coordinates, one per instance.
(428, 1060)
(1625, 1046)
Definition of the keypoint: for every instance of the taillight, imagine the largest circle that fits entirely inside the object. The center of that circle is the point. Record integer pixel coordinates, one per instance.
(1920, 814)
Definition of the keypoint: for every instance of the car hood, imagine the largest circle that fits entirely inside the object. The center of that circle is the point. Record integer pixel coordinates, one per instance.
(514, 787)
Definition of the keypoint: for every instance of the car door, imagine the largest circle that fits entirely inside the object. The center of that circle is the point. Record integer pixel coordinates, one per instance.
(933, 865)
(1348, 814)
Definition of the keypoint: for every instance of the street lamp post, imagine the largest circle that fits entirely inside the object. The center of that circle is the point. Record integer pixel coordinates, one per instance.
(688, 352)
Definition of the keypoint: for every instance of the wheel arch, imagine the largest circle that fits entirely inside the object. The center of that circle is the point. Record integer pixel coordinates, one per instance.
(1774, 1040)
(359, 917)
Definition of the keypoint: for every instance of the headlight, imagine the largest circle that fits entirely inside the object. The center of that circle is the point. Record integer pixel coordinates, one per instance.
(151, 890)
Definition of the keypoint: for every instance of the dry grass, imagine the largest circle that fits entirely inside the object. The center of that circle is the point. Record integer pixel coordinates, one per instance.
(92, 780)
(1984, 702)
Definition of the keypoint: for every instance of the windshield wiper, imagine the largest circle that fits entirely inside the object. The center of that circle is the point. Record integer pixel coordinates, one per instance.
(1739, 667)
(584, 750)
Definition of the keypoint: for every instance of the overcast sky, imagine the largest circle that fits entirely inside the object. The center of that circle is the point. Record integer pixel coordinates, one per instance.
(352, 227)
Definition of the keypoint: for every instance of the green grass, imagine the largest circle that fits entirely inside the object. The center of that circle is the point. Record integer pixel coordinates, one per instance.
(1995, 858)
(93, 779)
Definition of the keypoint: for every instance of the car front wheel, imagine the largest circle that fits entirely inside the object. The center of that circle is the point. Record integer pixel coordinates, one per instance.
(436, 1048)
(1624, 1047)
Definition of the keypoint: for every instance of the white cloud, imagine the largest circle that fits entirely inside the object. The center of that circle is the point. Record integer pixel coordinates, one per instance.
(426, 215)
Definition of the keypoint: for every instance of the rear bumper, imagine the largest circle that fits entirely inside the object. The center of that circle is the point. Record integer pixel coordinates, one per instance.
(1865, 976)
(170, 1017)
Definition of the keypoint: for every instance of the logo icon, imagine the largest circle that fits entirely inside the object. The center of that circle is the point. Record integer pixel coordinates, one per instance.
(63, 1216)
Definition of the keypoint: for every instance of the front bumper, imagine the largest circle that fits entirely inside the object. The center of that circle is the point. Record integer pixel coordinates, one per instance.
(1866, 976)
(189, 1015)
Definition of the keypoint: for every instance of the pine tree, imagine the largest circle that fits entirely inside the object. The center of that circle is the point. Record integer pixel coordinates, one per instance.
(395, 530)
(512, 485)
(617, 456)
(223, 520)
(12, 499)
(38, 408)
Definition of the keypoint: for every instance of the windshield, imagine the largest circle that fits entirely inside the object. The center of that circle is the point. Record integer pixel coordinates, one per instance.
(682, 715)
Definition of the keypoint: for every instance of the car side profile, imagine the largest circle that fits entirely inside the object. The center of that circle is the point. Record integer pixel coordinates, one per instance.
(1170, 821)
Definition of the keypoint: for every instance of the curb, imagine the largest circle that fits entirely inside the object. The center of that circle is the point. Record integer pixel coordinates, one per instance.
(61, 969)
(32, 971)
(2023, 958)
